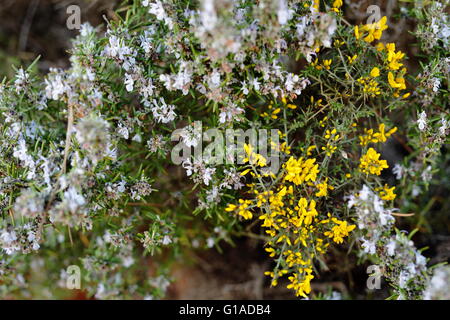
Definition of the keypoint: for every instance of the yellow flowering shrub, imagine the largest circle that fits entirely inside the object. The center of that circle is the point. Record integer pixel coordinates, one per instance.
(370, 163)
(298, 207)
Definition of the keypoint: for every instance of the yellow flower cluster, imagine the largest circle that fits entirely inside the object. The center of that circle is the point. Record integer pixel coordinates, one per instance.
(299, 171)
(393, 61)
(323, 188)
(371, 163)
(394, 58)
(253, 158)
(273, 113)
(339, 231)
(288, 105)
(242, 209)
(370, 136)
(301, 286)
(387, 193)
(329, 149)
(371, 31)
(292, 221)
(397, 82)
(306, 212)
(370, 86)
(292, 228)
(352, 58)
(316, 103)
(336, 5)
(326, 64)
(333, 137)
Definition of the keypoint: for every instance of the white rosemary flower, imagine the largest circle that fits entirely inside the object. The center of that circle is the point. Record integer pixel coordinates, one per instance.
(55, 85)
(22, 79)
(163, 112)
(156, 143)
(21, 152)
(116, 48)
(368, 246)
(422, 121)
(443, 128)
(86, 29)
(398, 170)
(93, 136)
(230, 113)
(199, 171)
(426, 174)
(140, 190)
(157, 9)
(436, 84)
(129, 82)
(391, 247)
(123, 131)
(191, 135)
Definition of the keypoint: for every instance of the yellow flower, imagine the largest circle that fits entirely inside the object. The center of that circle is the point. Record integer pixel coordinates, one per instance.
(285, 148)
(370, 86)
(302, 287)
(375, 30)
(394, 57)
(310, 149)
(337, 4)
(306, 212)
(357, 35)
(387, 193)
(339, 231)
(291, 106)
(371, 163)
(331, 134)
(273, 114)
(299, 171)
(271, 251)
(352, 59)
(316, 65)
(329, 149)
(374, 137)
(390, 47)
(316, 103)
(316, 5)
(241, 209)
(380, 46)
(381, 135)
(397, 83)
(338, 43)
(323, 188)
(253, 158)
(327, 63)
(375, 72)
